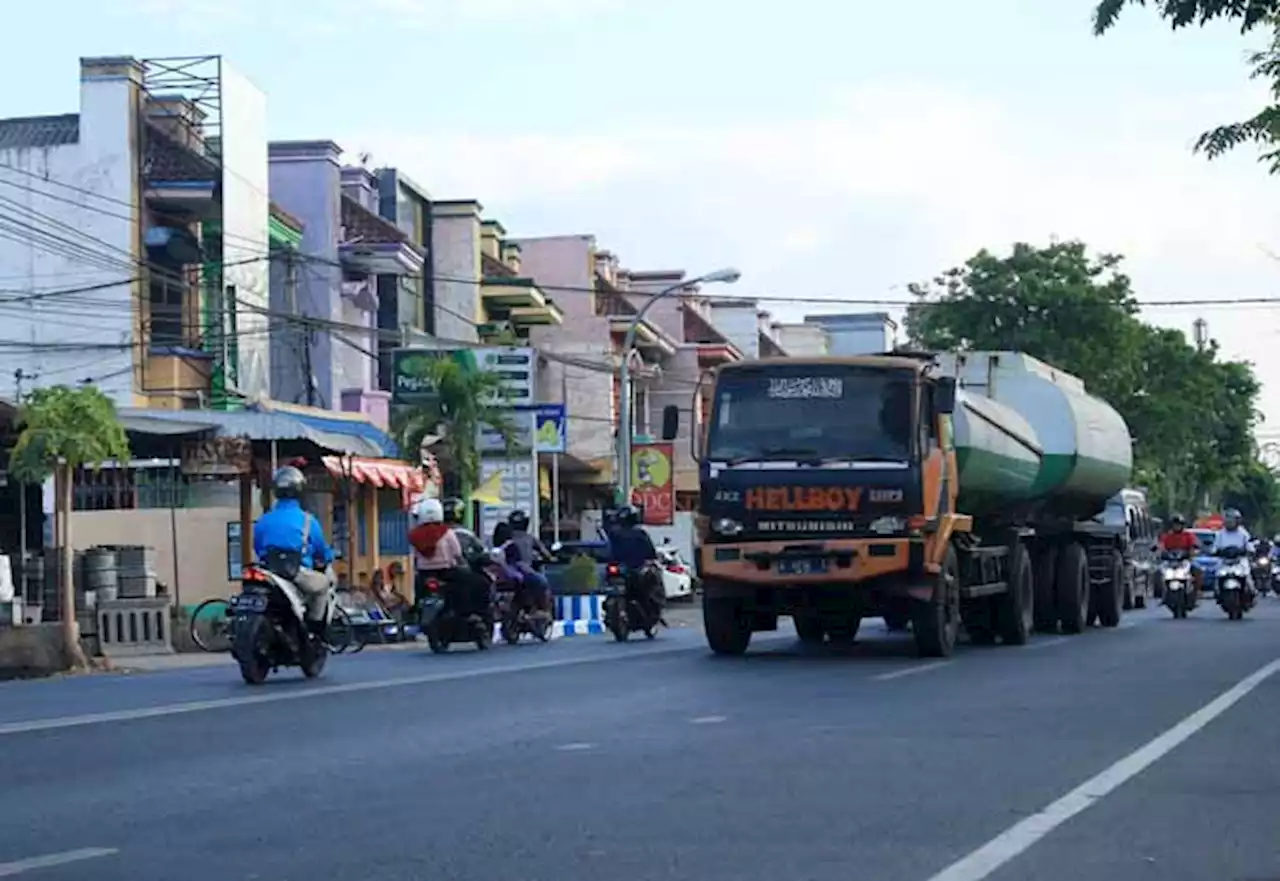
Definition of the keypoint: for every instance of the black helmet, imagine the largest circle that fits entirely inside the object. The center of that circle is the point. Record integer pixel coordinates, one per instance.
(628, 515)
(519, 520)
(1232, 514)
(453, 510)
(288, 483)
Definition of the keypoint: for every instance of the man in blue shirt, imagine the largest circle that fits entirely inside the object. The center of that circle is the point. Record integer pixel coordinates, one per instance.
(287, 527)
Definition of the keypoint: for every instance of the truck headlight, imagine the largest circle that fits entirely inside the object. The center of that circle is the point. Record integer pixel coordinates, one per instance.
(726, 526)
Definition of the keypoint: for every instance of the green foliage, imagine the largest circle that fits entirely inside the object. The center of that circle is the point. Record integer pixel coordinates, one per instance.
(581, 575)
(464, 399)
(1263, 128)
(75, 426)
(1191, 414)
(1256, 492)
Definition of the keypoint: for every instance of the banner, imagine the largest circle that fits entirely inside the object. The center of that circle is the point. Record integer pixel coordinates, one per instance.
(652, 482)
(552, 432)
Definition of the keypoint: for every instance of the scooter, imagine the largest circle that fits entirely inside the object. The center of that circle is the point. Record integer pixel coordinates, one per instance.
(1180, 594)
(624, 614)
(1234, 593)
(269, 628)
(1262, 573)
(441, 622)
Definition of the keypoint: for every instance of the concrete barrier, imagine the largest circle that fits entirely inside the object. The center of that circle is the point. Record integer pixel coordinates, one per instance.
(579, 614)
(32, 650)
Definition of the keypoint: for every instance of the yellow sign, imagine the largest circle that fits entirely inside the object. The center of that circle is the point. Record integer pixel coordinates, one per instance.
(650, 467)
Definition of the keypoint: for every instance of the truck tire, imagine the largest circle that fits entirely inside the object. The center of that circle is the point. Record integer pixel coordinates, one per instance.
(1045, 606)
(1072, 588)
(809, 628)
(1015, 608)
(936, 622)
(1108, 596)
(726, 625)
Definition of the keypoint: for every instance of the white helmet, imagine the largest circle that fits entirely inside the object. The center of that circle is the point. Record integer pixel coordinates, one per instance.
(428, 511)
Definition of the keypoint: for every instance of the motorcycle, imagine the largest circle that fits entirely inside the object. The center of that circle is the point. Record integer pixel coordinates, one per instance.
(624, 614)
(440, 620)
(269, 629)
(1262, 572)
(1180, 593)
(1234, 593)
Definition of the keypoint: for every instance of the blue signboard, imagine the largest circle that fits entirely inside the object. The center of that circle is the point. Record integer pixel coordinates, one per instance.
(552, 430)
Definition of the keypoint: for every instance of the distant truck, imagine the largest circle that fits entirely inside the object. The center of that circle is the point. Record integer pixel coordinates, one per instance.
(945, 490)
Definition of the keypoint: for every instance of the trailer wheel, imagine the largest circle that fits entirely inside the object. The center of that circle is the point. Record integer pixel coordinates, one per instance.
(1072, 588)
(1108, 597)
(1015, 608)
(1045, 608)
(936, 622)
(726, 625)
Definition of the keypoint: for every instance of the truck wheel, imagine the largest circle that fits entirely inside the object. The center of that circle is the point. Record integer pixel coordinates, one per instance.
(809, 628)
(1108, 596)
(1045, 608)
(1072, 588)
(1015, 608)
(726, 625)
(936, 622)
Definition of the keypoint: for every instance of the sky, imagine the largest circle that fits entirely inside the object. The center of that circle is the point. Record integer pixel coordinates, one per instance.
(827, 149)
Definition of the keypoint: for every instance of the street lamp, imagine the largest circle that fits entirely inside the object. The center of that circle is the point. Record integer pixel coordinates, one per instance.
(723, 276)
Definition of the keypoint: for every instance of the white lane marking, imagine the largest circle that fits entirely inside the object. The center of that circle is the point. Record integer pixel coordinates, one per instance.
(910, 671)
(1043, 644)
(707, 720)
(575, 747)
(1026, 832)
(8, 870)
(53, 724)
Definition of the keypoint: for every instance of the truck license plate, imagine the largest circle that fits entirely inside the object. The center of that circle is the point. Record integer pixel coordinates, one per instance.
(803, 566)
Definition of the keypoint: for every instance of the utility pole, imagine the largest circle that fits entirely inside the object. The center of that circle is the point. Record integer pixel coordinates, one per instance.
(19, 376)
(1200, 333)
(298, 330)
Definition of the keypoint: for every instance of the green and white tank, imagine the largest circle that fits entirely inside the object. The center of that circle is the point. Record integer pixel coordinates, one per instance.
(1086, 452)
(997, 453)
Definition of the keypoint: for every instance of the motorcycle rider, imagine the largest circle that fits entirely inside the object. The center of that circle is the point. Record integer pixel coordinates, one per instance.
(523, 550)
(287, 527)
(438, 553)
(1179, 539)
(634, 551)
(454, 511)
(1233, 535)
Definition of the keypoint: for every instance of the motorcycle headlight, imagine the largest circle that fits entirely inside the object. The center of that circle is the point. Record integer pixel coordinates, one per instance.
(1174, 585)
(1230, 583)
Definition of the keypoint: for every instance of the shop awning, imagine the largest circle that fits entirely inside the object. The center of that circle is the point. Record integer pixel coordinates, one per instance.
(385, 473)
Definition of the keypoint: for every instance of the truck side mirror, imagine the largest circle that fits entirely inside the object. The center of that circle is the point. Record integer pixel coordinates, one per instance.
(670, 422)
(944, 395)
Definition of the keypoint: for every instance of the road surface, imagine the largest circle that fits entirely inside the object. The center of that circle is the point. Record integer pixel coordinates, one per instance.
(1145, 752)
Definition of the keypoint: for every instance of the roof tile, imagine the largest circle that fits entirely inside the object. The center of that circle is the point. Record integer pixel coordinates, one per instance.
(39, 131)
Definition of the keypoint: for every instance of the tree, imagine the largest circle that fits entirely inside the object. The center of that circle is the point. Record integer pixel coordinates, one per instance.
(463, 399)
(1190, 414)
(1263, 128)
(64, 429)
(1256, 493)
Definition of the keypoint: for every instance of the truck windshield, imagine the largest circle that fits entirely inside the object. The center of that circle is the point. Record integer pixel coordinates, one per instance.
(812, 412)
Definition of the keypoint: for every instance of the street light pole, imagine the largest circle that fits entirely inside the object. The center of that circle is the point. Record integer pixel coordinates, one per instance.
(726, 276)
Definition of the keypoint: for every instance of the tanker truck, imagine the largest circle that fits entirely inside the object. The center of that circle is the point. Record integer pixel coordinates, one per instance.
(953, 491)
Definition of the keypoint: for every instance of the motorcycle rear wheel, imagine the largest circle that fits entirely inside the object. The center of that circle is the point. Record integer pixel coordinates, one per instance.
(249, 648)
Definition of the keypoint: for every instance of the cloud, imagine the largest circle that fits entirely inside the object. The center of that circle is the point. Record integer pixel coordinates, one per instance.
(891, 184)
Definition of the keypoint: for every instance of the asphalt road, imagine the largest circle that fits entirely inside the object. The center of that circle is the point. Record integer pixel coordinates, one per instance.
(583, 759)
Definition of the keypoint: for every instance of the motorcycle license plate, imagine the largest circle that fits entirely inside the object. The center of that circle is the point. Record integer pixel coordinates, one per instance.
(803, 566)
(249, 602)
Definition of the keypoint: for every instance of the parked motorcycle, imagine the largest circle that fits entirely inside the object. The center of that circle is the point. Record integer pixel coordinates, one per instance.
(1180, 594)
(269, 629)
(448, 614)
(1234, 594)
(624, 614)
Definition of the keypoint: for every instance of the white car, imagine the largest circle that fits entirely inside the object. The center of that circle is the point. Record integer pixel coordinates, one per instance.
(677, 578)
